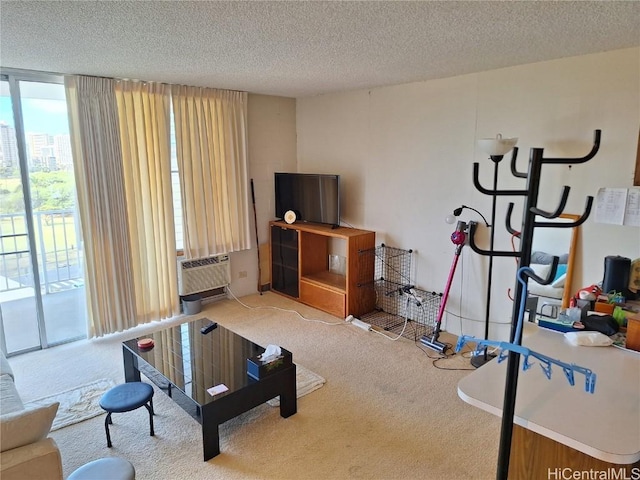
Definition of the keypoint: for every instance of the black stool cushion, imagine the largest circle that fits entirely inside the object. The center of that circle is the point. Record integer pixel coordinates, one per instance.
(126, 397)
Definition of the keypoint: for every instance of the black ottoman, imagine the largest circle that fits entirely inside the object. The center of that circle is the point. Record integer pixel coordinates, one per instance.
(125, 398)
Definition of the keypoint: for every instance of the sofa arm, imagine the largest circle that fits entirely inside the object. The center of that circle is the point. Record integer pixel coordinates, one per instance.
(39, 460)
(5, 368)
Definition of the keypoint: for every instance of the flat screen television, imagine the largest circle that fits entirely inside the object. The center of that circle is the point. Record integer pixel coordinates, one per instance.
(313, 197)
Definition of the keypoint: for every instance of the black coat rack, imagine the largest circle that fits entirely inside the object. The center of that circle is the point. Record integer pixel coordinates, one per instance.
(529, 223)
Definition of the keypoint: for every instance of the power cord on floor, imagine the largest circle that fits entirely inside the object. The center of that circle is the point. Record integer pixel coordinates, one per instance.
(268, 307)
(477, 320)
(446, 356)
(406, 320)
(445, 368)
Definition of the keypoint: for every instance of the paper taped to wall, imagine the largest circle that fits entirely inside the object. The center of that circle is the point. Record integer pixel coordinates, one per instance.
(618, 206)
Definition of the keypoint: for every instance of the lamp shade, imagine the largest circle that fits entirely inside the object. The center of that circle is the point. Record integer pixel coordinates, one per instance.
(497, 146)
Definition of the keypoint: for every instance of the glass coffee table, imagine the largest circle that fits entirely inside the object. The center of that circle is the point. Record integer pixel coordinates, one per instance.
(187, 363)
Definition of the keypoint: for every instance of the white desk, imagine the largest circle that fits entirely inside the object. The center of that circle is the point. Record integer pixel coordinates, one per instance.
(604, 425)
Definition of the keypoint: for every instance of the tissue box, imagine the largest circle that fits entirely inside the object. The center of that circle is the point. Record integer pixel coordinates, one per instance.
(256, 369)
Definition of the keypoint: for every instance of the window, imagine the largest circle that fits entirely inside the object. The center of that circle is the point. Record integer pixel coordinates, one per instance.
(175, 188)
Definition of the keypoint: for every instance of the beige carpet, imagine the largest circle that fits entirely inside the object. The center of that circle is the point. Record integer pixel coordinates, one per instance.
(385, 411)
(76, 404)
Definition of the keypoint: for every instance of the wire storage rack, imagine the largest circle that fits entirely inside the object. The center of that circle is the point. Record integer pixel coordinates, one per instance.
(400, 306)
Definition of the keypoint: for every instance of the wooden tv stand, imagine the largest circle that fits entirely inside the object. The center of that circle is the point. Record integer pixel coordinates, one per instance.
(299, 255)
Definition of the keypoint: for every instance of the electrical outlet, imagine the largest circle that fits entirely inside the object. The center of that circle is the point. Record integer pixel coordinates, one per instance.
(242, 274)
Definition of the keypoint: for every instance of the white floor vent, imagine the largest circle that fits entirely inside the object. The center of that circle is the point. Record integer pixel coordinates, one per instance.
(202, 274)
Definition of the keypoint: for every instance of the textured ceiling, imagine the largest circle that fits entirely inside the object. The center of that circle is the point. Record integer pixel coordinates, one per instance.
(303, 48)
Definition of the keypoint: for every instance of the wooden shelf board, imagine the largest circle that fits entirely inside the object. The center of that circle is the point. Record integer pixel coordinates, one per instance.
(327, 279)
(321, 229)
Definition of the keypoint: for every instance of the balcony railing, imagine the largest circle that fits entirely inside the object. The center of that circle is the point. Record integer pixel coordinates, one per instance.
(58, 246)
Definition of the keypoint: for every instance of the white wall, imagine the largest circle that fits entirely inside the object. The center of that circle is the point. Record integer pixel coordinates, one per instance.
(272, 147)
(405, 156)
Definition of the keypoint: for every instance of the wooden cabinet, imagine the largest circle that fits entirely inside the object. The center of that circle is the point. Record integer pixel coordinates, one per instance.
(633, 332)
(300, 267)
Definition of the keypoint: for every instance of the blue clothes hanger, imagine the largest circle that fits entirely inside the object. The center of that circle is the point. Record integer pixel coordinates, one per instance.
(545, 361)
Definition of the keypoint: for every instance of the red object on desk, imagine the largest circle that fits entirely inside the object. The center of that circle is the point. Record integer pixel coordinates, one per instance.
(145, 343)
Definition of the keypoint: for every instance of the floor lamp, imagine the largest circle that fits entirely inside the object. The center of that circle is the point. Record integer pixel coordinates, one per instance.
(496, 148)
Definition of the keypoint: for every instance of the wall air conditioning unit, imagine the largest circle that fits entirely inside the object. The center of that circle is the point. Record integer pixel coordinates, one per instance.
(202, 274)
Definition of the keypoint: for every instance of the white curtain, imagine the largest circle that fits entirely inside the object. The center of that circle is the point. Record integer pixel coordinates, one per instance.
(95, 141)
(144, 114)
(120, 134)
(211, 140)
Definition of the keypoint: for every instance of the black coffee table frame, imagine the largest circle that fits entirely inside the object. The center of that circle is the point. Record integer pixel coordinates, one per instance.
(212, 415)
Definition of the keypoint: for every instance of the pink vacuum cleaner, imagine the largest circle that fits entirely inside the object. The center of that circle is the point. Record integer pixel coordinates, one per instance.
(458, 238)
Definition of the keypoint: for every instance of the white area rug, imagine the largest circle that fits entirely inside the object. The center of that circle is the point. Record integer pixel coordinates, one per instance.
(76, 404)
(306, 382)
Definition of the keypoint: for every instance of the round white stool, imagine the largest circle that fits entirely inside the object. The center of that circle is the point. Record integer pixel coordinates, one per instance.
(113, 468)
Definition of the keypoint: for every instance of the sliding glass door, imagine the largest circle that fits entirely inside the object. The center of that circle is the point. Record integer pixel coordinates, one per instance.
(42, 299)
